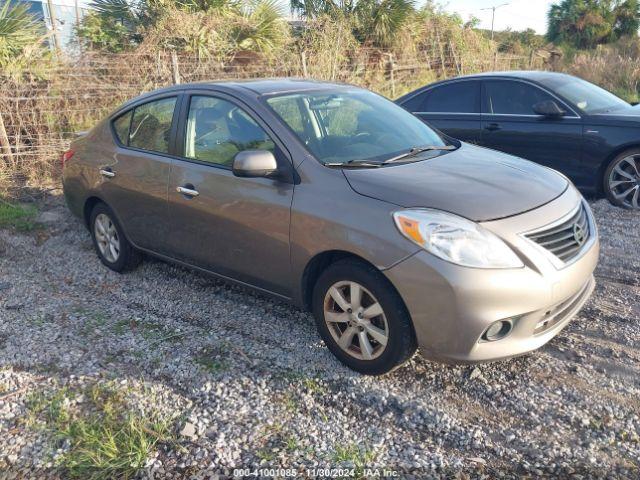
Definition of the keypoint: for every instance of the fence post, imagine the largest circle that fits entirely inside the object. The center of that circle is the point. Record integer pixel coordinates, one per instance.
(531, 59)
(495, 60)
(455, 58)
(52, 18)
(443, 67)
(390, 69)
(175, 72)
(5, 147)
(303, 58)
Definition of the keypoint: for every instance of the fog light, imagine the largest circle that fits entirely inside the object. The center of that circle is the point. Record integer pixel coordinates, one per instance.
(497, 330)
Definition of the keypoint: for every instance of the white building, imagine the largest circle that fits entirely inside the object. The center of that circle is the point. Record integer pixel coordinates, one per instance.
(64, 14)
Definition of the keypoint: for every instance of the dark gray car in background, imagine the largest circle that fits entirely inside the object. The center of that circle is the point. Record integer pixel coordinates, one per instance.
(339, 201)
(553, 119)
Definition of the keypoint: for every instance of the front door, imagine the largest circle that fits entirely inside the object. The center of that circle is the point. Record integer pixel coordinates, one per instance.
(509, 124)
(236, 227)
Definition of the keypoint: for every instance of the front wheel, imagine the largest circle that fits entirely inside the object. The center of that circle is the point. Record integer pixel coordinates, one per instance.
(362, 319)
(622, 180)
(112, 247)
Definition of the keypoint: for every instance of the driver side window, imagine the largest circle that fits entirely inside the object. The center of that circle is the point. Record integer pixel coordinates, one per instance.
(217, 130)
(507, 97)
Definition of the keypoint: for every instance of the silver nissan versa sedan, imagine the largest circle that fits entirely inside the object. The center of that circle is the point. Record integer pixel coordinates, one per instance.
(339, 201)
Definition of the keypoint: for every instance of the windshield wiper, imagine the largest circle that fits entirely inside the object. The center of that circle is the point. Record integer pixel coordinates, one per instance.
(417, 150)
(355, 164)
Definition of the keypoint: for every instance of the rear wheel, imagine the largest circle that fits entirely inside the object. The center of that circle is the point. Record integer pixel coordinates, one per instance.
(362, 319)
(113, 249)
(622, 180)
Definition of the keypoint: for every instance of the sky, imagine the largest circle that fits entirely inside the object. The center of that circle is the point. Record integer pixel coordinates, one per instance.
(519, 14)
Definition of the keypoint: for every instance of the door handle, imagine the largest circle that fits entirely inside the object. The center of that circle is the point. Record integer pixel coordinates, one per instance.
(107, 172)
(492, 127)
(189, 192)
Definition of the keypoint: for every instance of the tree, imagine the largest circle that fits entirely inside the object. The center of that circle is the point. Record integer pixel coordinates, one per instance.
(19, 32)
(259, 26)
(116, 25)
(374, 21)
(587, 23)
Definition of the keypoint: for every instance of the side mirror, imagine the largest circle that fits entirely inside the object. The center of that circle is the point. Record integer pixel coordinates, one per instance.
(548, 108)
(254, 163)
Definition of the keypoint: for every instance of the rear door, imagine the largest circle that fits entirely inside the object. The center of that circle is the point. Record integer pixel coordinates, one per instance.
(135, 179)
(509, 124)
(236, 227)
(452, 108)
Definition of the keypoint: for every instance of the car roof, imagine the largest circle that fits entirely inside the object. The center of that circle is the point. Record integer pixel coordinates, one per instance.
(537, 76)
(266, 86)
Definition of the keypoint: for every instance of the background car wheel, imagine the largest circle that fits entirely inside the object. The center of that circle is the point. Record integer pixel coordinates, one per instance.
(362, 319)
(622, 180)
(113, 248)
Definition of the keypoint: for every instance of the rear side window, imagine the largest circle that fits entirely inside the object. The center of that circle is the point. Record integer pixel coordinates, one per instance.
(458, 97)
(121, 127)
(151, 125)
(507, 97)
(414, 104)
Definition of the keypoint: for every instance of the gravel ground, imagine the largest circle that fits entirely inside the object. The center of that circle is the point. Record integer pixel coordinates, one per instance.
(248, 383)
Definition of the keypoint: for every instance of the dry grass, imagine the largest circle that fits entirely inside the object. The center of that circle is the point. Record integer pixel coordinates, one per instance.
(613, 67)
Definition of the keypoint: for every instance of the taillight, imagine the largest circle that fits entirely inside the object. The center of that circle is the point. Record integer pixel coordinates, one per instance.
(66, 156)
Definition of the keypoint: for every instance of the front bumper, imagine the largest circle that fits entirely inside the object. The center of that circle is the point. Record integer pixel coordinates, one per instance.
(452, 306)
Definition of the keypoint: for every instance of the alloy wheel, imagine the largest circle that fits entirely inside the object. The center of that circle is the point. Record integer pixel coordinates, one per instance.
(624, 181)
(356, 320)
(107, 238)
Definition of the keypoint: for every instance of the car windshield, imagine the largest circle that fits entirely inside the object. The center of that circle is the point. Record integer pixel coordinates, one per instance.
(353, 125)
(588, 97)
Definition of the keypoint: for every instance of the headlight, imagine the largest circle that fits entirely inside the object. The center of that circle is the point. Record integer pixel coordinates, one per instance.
(455, 239)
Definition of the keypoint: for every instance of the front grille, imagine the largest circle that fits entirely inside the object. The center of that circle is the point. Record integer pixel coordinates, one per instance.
(565, 240)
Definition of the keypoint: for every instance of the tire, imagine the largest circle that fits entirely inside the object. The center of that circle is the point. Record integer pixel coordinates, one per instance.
(126, 257)
(394, 318)
(625, 161)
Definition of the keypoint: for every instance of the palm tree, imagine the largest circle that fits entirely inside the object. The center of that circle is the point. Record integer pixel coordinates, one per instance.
(380, 20)
(587, 23)
(374, 21)
(19, 32)
(260, 26)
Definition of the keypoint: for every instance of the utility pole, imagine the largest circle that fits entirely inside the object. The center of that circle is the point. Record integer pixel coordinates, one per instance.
(54, 26)
(493, 14)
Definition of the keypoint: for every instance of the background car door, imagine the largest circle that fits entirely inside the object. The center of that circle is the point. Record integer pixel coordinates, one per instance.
(135, 178)
(509, 124)
(236, 227)
(453, 108)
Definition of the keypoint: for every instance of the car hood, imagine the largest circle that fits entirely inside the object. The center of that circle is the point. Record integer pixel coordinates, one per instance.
(473, 182)
(626, 116)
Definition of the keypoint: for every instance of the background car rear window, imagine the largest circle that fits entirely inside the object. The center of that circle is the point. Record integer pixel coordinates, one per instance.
(151, 125)
(218, 130)
(512, 98)
(459, 97)
(121, 127)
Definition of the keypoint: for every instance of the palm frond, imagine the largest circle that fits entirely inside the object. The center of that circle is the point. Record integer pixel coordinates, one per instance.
(18, 30)
(262, 27)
